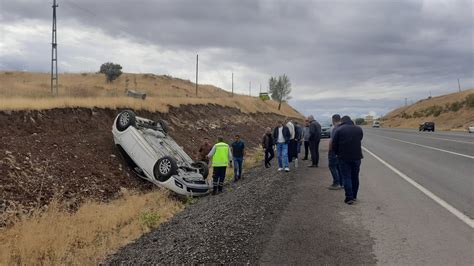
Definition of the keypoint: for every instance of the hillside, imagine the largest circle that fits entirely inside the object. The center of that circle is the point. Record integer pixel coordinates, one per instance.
(31, 91)
(453, 111)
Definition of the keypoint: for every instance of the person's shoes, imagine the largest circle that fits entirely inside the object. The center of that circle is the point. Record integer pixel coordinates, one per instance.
(296, 163)
(334, 187)
(287, 169)
(280, 169)
(349, 201)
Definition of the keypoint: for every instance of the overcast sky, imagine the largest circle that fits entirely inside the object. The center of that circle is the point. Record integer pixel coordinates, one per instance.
(342, 56)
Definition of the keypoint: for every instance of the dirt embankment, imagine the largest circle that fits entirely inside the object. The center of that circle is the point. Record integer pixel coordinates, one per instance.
(69, 155)
(453, 111)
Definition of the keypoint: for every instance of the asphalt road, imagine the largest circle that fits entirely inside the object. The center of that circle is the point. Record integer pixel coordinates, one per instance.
(409, 226)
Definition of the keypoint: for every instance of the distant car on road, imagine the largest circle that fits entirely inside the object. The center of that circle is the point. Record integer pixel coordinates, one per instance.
(427, 126)
(376, 124)
(325, 131)
(153, 155)
(470, 129)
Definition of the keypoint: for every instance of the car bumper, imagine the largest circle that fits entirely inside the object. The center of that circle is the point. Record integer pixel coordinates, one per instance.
(325, 135)
(187, 188)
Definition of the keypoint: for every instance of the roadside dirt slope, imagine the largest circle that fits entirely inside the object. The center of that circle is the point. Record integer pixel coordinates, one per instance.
(69, 154)
(450, 111)
(35, 84)
(31, 91)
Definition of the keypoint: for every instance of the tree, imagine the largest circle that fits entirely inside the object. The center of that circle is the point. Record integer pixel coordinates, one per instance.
(112, 71)
(360, 121)
(280, 89)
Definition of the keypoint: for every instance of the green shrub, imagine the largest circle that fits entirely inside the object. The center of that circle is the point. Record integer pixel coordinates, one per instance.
(406, 116)
(470, 100)
(149, 219)
(434, 110)
(360, 121)
(417, 114)
(455, 106)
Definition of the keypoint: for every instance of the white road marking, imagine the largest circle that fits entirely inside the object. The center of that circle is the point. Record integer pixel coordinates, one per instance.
(429, 147)
(460, 141)
(441, 202)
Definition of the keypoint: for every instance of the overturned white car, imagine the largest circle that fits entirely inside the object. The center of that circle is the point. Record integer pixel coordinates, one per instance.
(153, 155)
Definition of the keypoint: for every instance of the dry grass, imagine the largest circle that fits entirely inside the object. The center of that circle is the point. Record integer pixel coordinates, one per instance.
(30, 91)
(86, 236)
(445, 121)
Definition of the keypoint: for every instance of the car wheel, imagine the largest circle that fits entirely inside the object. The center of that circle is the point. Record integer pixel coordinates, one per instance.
(125, 119)
(165, 168)
(202, 167)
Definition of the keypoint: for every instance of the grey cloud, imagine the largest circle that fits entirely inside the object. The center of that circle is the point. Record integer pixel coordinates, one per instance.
(400, 48)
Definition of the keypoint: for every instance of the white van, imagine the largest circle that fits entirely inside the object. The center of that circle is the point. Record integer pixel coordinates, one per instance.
(376, 124)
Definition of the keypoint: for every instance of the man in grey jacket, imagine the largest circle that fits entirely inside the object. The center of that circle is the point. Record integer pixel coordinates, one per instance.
(314, 139)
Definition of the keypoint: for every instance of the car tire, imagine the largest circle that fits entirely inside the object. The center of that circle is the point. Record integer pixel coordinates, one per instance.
(203, 168)
(165, 168)
(125, 119)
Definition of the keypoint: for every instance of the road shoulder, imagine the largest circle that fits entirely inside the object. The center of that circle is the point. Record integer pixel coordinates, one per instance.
(317, 227)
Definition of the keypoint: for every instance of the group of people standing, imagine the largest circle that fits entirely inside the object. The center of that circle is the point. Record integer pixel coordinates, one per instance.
(344, 153)
(288, 139)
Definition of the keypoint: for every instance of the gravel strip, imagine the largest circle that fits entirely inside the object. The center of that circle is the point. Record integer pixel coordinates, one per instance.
(232, 227)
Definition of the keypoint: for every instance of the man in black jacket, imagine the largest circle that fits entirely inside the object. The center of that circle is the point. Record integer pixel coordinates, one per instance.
(267, 145)
(314, 139)
(347, 145)
(281, 137)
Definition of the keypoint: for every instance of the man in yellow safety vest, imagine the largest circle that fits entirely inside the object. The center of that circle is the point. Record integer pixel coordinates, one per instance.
(220, 156)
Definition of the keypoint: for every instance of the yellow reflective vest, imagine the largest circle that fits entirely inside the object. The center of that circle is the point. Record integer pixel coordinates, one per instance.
(221, 155)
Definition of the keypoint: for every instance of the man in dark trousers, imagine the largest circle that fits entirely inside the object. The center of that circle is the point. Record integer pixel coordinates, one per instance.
(268, 147)
(221, 157)
(314, 139)
(347, 145)
(298, 137)
(337, 182)
(238, 153)
(306, 140)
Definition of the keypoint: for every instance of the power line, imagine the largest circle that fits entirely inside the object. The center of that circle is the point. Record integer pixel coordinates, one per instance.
(197, 62)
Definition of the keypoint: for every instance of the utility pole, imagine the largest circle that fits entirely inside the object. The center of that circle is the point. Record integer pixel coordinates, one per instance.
(54, 54)
(406, 101)
(459, 86)
(197, 66)
(232, 84)
(250, 88)
(260, 91)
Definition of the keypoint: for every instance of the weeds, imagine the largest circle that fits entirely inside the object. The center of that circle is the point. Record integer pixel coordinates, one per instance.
(470, 100)
(149, 219)
(189, 200)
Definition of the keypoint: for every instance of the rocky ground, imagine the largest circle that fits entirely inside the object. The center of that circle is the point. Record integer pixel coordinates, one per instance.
(69, 154)
(268, 218)
(230, 227)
